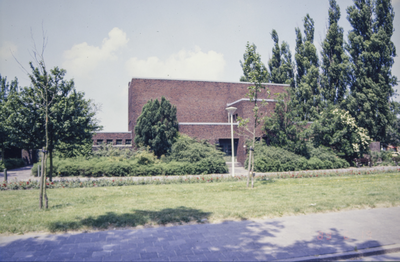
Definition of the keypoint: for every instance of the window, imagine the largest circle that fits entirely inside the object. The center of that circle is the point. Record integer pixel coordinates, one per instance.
(109, 141)
(128, 141)
(119, 142)
(99, 141)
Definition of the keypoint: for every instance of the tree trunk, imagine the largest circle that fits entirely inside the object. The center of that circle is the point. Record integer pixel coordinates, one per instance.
(51, 166)
(249, 168)
(2, 153)
(252, 173)
(41, 183)
(44, 185)
(254, 139)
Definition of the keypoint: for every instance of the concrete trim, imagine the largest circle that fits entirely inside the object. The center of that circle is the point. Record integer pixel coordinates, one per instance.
(350, 255)
(197, 80)
(248, 99)
(205, 124)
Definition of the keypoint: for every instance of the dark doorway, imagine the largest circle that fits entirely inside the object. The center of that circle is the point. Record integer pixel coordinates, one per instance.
(226, 146)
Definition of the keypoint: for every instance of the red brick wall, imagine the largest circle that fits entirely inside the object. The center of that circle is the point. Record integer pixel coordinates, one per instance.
(196, 101)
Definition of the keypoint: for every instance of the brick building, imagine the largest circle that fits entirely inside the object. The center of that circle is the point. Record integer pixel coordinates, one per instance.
(201, 109)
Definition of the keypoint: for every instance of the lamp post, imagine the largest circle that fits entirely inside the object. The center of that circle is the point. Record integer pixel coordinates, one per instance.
(232, 110)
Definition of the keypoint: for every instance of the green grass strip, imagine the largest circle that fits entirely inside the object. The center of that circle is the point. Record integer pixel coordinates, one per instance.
(157, 204)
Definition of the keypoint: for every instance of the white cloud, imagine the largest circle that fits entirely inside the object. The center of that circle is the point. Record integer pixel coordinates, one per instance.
(195, 65)
(83, 58)
(7, 49)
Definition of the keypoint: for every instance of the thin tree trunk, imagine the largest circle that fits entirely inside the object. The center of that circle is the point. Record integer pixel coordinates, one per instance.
(44, 185)
(2, 153)
(51, 166)
(252, 159)
(252, 173)
(249, 167)
(41, 183)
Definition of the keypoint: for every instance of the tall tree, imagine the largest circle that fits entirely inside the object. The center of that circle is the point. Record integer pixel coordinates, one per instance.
(335, 63)
(249, 66)
(157, 126)
(372, 56)
(7, 91)
(255, 72)
(307, 93)
(280, 65)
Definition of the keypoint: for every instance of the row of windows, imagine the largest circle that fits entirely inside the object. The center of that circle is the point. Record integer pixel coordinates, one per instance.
(117, 142)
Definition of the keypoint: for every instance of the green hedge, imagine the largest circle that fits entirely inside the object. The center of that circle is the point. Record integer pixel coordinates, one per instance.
(11, 163)
(111, 167)
(275, 159)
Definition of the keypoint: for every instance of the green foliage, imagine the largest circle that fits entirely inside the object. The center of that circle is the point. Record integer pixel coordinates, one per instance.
(307, 94)
(372, 56)
(2, 166)
(12, 163)
(282, 128)
(187, 149)
(187, 157)
(105, 150)
(275, 159)
(335, 63)
(327, 155)
(338, 130)
(7, 100)
(254, 71)
(280, 65)
(157, 126)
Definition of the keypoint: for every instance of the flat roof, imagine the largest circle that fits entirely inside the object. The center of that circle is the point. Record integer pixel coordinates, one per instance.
(212, 81)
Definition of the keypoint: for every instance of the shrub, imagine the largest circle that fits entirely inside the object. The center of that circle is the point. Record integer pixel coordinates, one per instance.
(315, 163)
(187, 149)
(275, 159)
(12, 163)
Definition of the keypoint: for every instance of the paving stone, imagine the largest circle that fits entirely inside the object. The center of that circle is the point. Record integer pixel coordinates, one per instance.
(130, 256)
(148, 255)
(112, 258)
(183, 252)
(166, 253)
(179, 258)
(101, 253)
(197, 257)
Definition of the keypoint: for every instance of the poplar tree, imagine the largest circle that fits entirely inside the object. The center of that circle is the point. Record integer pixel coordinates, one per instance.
(371, 55)
(335, 63)
(307, 93)
(280, 65)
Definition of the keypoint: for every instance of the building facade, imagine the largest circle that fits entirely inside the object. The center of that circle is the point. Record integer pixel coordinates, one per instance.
(201, 110)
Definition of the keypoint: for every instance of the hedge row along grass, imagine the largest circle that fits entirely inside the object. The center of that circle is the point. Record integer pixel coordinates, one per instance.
(125, 206)
(163, 180)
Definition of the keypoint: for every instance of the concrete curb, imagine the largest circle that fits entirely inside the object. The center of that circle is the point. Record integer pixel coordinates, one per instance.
(349, 255)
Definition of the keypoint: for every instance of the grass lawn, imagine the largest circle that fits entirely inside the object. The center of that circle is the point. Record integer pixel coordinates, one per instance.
(112, 207)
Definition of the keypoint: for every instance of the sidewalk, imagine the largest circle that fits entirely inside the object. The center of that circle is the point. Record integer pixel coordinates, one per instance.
(298, 238)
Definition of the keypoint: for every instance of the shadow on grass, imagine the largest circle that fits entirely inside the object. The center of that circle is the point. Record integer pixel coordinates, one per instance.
(136, 217)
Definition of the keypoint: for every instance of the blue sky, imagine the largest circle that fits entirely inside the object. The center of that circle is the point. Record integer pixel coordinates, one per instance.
(103, 44)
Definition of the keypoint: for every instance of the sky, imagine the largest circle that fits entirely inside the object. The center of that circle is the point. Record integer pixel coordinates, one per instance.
(104, 44)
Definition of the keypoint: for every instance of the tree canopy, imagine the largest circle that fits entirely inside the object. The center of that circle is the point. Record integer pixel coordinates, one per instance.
(157, 126)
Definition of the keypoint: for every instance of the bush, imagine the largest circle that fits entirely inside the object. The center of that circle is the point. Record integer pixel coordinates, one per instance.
(189, 157)
(275, 159)
(12, 163)
(187, 149)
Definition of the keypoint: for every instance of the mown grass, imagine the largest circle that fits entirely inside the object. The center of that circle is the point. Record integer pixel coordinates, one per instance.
(113, 207)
